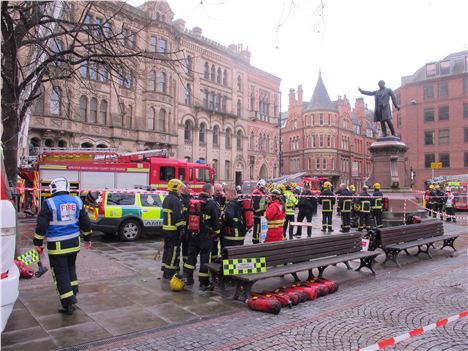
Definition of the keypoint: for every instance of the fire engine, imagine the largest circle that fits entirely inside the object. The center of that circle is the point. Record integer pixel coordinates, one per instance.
(100, 169)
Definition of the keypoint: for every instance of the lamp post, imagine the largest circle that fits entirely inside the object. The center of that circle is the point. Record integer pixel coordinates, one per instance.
(280, 139)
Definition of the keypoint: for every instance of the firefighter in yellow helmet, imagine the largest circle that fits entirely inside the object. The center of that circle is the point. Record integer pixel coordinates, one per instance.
(377, 205)
(327, 200)
(290, 203)
(364, 201)
(173, 228)
(433, 200)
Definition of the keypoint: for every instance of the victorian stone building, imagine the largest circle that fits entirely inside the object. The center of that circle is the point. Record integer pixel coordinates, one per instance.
(211, 105)
(328, 138)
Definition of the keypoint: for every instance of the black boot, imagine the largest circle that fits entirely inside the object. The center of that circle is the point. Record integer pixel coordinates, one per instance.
(67, 309)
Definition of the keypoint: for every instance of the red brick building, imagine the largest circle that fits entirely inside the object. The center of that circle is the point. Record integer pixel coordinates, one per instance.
(328, 138)
(433, 120)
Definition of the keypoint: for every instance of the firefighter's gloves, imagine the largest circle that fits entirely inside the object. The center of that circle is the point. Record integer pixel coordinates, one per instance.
(87, 245)
(40, 249)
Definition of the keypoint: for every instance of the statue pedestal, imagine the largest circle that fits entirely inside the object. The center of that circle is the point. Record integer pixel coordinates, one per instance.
(389, 168)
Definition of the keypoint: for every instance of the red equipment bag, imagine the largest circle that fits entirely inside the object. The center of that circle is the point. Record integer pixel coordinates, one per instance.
(195, 213)
(321, 288)
(282, 298)
(26, 272)
(292, 297)
(311, 291)
(264, 304)
(248, 213)
(302, 296)
(331, 284)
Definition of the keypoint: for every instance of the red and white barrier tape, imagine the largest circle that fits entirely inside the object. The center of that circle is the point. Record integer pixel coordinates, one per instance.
(415, 332)
(462, 218)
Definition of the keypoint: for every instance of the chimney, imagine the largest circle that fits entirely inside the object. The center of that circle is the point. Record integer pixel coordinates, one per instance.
(180, 25)
(197, 32)
(292, 99)
(360, 108)
(299, 95)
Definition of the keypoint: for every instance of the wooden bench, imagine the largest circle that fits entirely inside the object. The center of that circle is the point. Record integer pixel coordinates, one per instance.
(293, 256)
(393, 240)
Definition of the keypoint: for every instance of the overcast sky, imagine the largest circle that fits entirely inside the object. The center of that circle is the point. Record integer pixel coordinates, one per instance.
(354, 42)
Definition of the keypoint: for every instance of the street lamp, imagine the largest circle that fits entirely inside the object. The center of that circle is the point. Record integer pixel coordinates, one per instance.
(280, 139)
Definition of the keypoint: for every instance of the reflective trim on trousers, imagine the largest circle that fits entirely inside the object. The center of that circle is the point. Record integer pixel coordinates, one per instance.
(74, 283)
(189, 266)
(66, 295)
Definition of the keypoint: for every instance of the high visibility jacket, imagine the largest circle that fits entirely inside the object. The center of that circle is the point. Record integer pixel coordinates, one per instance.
(61, 218)
(365, 202)
(275, 214)
(258, 202)
(327, 200)
(172, 213)
(376, 203)
(233, 226)
(291, 202)
(345, 202)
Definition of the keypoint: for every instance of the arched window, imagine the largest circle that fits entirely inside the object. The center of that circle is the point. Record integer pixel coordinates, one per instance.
(189, 64)
(152, 81)
(49, 143)
(228, 138)
(202, 133)
(239, 139)
(239, 107)
(225, 78)
(103, 112)
(162, 82)
(213, 73)
(239, 83)
(188, 94)
(93, 110)
(62, 143)
(216, 135)
(83, 108)
(55, 101)
(150, 119)
(207, 71)
(188, 130)
(162, 120)
(218, 76)
(252, 141)
(86, 145)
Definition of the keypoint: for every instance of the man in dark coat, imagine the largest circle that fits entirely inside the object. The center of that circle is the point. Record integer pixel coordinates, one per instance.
(383, 112)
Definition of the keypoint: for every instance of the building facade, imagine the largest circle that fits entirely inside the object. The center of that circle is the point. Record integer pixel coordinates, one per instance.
(208, 103)
(328, 138)
(433, 120)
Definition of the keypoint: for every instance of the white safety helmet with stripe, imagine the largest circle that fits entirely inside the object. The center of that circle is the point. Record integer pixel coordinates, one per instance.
(261, 184)
(58, 185)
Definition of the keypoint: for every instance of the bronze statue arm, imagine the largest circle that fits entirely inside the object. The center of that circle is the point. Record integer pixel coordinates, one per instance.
(365, 92)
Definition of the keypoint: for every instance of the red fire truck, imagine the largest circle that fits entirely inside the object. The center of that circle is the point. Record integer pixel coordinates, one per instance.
(100, 169)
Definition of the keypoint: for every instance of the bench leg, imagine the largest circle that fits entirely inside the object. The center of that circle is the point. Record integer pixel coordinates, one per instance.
(406, 252)
(238, 290)
(367, 262)
(424, 250)
(347, 265)
(321, 270)
(449, 243)
(392, 255)
(311, 275)
(242, 291)
(296, 278)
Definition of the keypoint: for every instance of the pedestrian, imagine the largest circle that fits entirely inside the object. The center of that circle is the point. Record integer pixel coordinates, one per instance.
(233, 230)
(60, 221)
(201, 243)
(377, 205)
(220, 198)
(259, 205)
(345, 203)
(364, 201)
(185, 197)
(275, 214)
(327, 200)
(307, 204)
(173, 228)
(290, 202)
(450, 205)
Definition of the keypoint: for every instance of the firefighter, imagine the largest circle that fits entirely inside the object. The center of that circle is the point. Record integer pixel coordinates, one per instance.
(290, 203)
(233, 229)
(449, 205)
(307, 205)
(259, 204)
(239, 190)
(439, 202)
(275, 214)
(427, 198)
(364, 202)
(433, 200)
(327, 200)
(173, 228)
(345, 203)
(377, 205)
(202, 242)
(60, 221)
(354, 212)
(185, 196)
(220, 198)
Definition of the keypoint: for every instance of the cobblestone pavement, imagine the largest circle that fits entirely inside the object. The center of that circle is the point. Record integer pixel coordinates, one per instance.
(365, 310)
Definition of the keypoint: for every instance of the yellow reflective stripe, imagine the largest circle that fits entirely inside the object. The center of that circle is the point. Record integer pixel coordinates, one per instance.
(200, 274)
(87, 233)
(276, 221)
(66, 295)
(181, 223)
(38, 236)
(174, 252)
(188, 266)
(205, 216)
(234, 237)
(64, 251)
(74, 283)
(169, 227)
(167, 210)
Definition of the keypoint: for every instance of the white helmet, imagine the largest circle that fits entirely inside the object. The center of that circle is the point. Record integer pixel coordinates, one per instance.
(58, 185)
(448, 189)
(261, 183)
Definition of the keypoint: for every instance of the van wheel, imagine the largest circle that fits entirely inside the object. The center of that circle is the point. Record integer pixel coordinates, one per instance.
(130, 230)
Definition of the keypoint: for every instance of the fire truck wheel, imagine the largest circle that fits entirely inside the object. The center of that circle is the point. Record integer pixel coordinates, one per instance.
(130, 230)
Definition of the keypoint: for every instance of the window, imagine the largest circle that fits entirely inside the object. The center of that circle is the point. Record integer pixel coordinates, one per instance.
(239, 83)
(223, 103)
(216, 135)
(428, 115)
(213, 73)
(162, 46)
(445, 67)
(152, 81)
(443, 89)
(107, 29)
(218, 102)
(428, 92)
(444, 136)
(39, 103)
(239, 140)
(428, 159)
(466, 135)
(150, 200)
(55, 100)
(228, 138)
(84, 70)
(93, 72)
(321, 119)
(252, 141)
(329, 119)
(166, 173)
(207, 71)
(218, 76)
(321, 140)
(162, 82)
(465, 84)
(202, 133)
(93, 110)
(83, 108)
(205, 98)
(465, 110)
(150, 119)
(227, 169)
(214, 164)
(188, 131)
(103, 112)
(188, 94)
(443, 113)
(103, 74)
(239, 108)
(162, 120)
(189, 66)
(429, 137)
(329, 141)
(122, 114)
(445, 159)
(153, 43)
(211, 101)
(466, 159)
(317, 163)
(225, 78)
(431, 70)
(324, 163)
(119, 199)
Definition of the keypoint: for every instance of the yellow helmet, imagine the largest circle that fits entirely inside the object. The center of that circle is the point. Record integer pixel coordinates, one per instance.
(174, 185)
(327, 185)
(176, 284)
(281, 187)
(352, 187)
(377, 186)
(437, 187)
(431, 186)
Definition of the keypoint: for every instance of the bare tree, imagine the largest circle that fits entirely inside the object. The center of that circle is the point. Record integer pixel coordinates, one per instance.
(49, 41)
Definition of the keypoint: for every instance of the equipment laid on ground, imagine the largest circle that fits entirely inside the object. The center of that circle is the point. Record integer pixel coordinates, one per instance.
(264, 304)
(176, 283)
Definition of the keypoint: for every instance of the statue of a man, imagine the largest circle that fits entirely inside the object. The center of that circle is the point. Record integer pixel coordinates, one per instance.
(383, 112)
